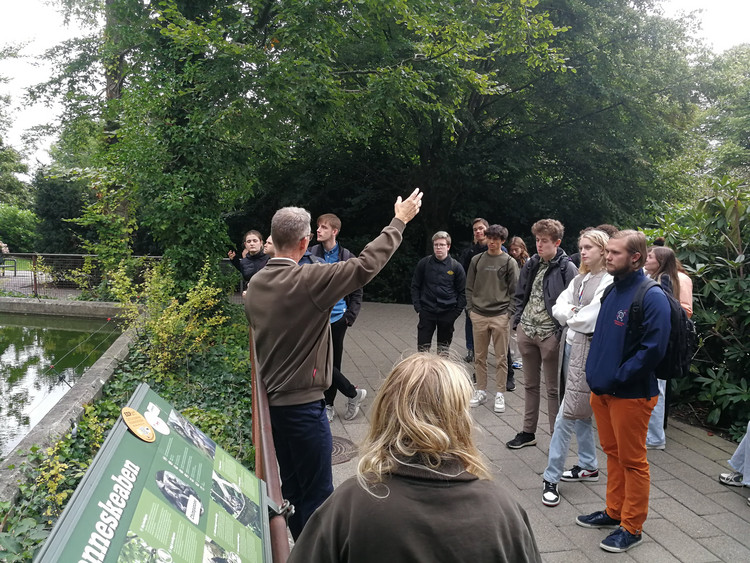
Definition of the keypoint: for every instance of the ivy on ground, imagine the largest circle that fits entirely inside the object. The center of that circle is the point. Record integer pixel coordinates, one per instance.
(207, 379)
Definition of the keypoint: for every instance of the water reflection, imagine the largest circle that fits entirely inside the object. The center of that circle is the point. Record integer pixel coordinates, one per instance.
(40, 358)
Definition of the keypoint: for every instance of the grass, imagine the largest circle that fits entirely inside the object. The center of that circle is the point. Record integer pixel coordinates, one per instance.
(22, 264)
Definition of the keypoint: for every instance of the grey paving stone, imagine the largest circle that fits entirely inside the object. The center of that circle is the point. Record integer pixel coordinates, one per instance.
(549, 538)
(734, 500)
(732, 526)
(587, 541)
(726, 549)
(685, 519)
(677, 542)
(700, 462)
(574, 556)
(692, 517)
(692, 477)
(651, 552)
(685, 494)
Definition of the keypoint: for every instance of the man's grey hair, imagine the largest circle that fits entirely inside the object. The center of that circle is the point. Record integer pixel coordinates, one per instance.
(288, 226)
(442, 234)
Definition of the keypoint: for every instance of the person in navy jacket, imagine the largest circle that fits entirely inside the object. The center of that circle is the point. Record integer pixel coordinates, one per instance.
(624, 390)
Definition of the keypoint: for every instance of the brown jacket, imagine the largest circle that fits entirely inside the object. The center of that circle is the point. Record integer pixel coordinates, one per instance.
(289, 314)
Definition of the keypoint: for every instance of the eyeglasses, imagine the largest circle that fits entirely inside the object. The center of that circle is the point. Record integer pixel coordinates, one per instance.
(439, 244)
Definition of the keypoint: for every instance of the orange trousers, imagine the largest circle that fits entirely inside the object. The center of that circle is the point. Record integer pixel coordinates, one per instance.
(622, 426)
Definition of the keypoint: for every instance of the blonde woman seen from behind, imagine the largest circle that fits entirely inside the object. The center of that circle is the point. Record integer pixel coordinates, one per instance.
(422, 491)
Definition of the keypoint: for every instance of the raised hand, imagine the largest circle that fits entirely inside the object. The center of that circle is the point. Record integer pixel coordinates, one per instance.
(408, 208)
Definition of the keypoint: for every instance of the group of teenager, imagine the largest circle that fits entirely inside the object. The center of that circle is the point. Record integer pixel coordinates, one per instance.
(422, 490)
(553, 304)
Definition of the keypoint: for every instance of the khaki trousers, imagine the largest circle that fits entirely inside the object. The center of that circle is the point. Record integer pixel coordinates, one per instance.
(498, 330)
(539, 356)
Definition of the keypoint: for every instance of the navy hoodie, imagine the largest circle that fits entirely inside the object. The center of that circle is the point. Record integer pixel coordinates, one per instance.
(606, 372)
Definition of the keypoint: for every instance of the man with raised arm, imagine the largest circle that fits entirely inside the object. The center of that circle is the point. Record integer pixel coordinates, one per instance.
(289, 317)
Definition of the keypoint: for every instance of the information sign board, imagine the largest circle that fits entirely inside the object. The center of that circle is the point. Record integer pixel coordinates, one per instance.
(179, 499)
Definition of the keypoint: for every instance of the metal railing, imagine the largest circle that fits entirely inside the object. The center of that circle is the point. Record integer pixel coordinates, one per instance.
(266, 467)
(64, 276)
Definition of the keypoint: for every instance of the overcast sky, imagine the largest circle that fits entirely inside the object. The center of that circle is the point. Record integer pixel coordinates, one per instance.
(725, 24)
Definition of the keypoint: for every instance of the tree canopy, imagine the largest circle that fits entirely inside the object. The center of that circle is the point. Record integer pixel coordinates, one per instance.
(188, 117)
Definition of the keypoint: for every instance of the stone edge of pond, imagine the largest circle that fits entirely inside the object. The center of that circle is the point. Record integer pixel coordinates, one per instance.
(87, 389)
(57, 307)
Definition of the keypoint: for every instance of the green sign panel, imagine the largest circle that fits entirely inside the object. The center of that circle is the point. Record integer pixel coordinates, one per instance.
(180, 499)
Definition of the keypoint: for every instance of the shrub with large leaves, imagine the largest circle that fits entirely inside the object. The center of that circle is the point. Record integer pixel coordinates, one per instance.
(711, 239)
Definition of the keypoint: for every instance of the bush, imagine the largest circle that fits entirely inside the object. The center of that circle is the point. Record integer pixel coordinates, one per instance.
(18, 228)
(711, 239)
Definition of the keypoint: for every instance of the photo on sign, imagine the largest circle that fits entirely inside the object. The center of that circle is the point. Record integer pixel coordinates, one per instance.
(136, 550)
(214, 553)
(229, 496)
(180, 495)
(188, 431)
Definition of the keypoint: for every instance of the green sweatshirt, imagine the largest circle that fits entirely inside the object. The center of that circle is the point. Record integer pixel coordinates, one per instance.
(491, 284)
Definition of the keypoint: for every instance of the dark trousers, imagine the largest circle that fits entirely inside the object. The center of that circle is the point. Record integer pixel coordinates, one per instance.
(469, 333)
(340, 382)
(302, 436)
(428, 322)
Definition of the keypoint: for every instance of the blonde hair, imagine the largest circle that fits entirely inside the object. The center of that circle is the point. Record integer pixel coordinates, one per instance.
(599, 238)
(421, 416)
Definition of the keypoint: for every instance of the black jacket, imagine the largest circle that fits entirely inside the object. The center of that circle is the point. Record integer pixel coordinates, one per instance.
(557, 277)
(354, 299)
(438, 286)
(250, 265)
(469, 253)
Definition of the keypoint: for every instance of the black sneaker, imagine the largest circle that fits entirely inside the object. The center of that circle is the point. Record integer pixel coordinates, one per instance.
(577, 473)
(511, 384)
(620, 540)
(469, 357)
(522, 439)
(597, 520)
(550, 496)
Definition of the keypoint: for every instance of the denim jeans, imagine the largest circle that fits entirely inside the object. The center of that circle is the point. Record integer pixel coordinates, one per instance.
(656, 436)
(560, 442)
(741, 459)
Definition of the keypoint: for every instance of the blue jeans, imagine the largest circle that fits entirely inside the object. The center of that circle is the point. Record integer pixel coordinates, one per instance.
(741, 459)
(656, 436)
(560, 442)
(302, 436)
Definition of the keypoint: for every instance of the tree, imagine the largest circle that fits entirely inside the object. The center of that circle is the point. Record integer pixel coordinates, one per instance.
(18, 228)
(727, 118)
(589, 145)
(211, 90)
(57, 201)
(13, 191)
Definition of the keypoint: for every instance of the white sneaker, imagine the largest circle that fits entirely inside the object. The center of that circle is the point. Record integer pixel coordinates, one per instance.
(479, 398)
(330, 413)
(353, 404)
(499, 403)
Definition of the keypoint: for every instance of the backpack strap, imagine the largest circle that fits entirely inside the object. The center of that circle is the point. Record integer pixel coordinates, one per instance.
(636, 308)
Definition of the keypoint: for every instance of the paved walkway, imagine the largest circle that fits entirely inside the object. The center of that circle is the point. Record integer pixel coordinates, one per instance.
(691, 516)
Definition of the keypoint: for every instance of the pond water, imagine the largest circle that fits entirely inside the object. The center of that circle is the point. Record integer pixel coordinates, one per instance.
(40, 359)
